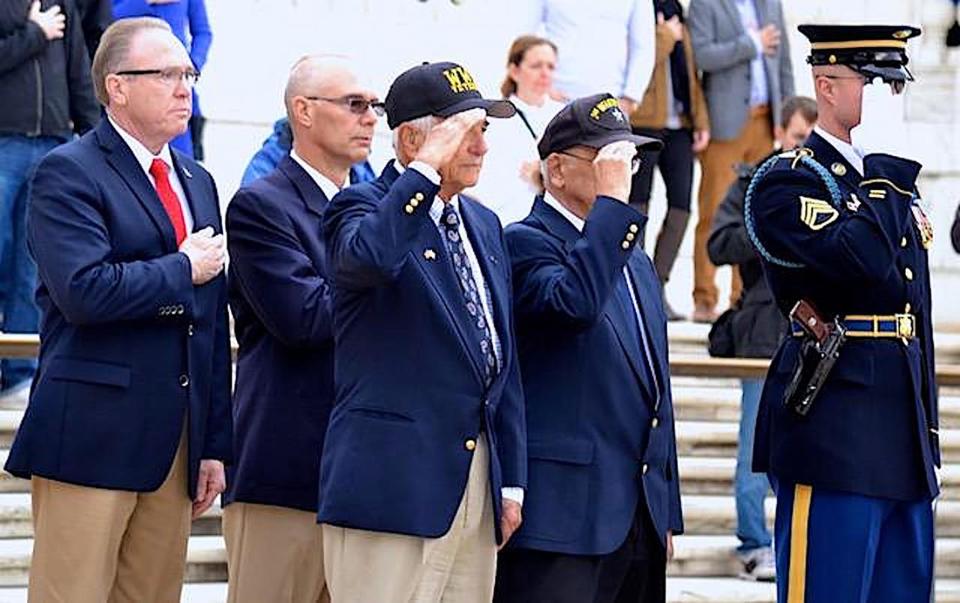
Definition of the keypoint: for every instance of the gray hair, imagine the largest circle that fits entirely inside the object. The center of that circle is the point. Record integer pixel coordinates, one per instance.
(421, 124)
(114, 49)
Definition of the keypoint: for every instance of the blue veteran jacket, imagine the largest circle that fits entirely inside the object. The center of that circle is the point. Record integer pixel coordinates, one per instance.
(410, 399)
(280, 299)
(872, 429)
(600, 434)
(129, 347)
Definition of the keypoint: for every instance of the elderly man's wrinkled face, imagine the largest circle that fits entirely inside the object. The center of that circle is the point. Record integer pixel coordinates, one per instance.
(463, 170)
(156, 92)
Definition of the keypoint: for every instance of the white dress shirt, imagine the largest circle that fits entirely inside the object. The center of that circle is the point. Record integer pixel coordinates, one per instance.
(436, 209)
(326, 185)
(853, 155)
(606, 46)
(759, 92)
(579, 223)
(145, 158)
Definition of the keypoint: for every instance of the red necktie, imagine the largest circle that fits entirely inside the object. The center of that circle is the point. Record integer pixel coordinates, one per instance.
(158, 169)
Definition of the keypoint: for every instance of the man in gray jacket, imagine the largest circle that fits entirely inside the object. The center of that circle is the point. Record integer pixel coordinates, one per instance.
(745, 58)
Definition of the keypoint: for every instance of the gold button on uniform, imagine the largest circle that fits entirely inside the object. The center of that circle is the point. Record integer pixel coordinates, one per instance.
(625, 245)
(907, 308)
(414, 202)
(645, 468)
(184, 381)
(655, 422)
(408, 209)
(470, 445)
(634, 228)
(908, 274)
(418, 196)
(630, 236)
(903, 242)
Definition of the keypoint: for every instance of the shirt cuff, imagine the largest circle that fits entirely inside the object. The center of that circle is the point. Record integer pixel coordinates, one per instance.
(513, 493)
(755, 37)
(426, 171)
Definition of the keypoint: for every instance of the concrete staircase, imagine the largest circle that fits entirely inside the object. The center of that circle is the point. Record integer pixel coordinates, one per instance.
(704, 567)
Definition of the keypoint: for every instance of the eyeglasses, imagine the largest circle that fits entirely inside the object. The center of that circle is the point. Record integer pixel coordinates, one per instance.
(356, 104)
(635, 163)
(171, 76)
(861, 78)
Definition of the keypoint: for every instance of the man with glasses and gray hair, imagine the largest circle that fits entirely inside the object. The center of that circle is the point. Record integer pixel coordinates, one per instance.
(604, 500)
(129, 423)
(281, 299)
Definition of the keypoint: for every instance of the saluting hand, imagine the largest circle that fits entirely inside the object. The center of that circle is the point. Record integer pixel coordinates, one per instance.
(211, 482)
(444, 139)
(612, 168)
(51, 21)
(510, 519)
(206, 252)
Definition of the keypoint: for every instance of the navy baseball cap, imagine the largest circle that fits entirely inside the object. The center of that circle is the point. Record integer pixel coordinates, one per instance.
(592, 121)
(441, 89)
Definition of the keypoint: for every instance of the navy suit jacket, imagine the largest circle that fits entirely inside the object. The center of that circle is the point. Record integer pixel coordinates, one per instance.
(129, 347)
(601, 435)
(280, 299)
(409, 389)
(873, 427)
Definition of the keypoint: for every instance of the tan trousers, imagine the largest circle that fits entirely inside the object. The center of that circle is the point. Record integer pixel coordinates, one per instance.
(274, 554)
(458, 567)
(93, 545)
(717, 163)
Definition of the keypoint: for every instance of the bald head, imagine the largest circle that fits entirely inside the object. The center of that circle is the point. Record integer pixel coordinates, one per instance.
(328, 132)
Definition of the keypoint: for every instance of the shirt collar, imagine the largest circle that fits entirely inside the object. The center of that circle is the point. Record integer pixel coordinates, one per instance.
(141, 153)
(553, 202)
(853, 155)
(326, 185)
(436, 208)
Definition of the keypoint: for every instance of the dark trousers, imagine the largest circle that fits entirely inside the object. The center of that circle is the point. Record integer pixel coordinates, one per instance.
(634, 573)
(675, 162)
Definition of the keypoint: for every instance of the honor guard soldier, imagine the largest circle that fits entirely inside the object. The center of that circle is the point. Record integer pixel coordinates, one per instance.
(848, 419)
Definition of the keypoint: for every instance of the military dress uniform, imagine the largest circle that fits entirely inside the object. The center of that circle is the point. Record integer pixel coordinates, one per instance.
(855, 476)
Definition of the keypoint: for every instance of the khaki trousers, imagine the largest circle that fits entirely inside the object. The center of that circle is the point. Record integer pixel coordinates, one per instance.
(93, 545)
(274, 554)
(717, 163)
(458, 567)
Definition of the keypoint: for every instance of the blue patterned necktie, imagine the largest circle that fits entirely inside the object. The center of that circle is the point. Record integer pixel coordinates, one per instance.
(450, 224)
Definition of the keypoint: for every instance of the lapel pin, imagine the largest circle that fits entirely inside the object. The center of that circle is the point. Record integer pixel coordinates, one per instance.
(186, 172)
(429, 254)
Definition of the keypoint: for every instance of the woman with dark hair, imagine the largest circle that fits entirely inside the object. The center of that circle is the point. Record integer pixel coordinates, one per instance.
(673, 110)
(511, 173)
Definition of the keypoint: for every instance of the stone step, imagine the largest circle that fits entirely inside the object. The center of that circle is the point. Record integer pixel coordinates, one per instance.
(679, 590)
(714, 556)
(714, 475)
(719, 439)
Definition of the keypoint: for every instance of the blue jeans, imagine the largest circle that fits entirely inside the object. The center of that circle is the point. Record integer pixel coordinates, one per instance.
(750, 488)
(19, 156)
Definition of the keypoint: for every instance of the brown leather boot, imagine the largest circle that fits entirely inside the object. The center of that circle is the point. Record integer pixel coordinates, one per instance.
(666, 250)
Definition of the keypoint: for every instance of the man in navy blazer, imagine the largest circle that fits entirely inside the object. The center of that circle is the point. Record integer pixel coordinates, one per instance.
(603, 497)
(129, 418)
(280, 296)
(424, 461)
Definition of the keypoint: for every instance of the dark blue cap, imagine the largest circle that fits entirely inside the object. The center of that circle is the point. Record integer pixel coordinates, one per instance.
(592, 121)
(441, 89)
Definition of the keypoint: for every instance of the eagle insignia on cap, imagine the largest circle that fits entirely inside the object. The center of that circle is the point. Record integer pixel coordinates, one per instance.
(903, 34)
(839, 169)
(816, 213)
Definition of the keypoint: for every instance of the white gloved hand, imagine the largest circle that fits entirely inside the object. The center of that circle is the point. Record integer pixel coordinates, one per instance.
(882, 128)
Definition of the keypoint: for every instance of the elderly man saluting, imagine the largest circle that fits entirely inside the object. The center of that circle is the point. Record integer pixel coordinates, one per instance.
(604, 496)
(129, 418)
(424, 461)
